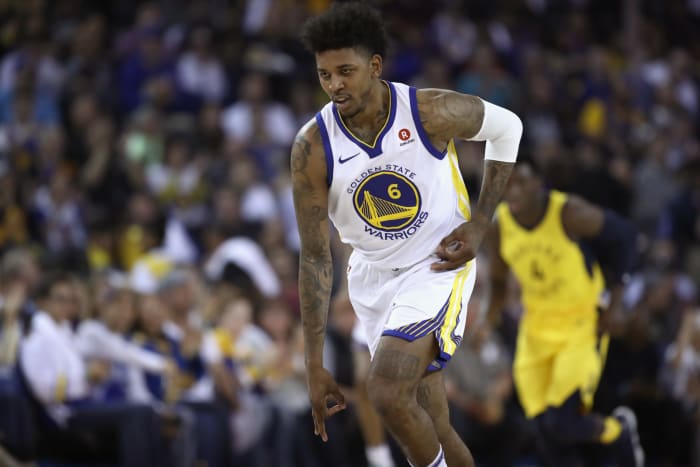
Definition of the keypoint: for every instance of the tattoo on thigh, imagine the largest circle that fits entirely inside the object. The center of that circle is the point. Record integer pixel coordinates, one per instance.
(397, 365)
(423, 395)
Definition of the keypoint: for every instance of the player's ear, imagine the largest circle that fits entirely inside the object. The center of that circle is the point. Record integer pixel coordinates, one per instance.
(375, 65)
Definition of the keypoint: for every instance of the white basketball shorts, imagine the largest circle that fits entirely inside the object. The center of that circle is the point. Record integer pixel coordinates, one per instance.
(410, 303)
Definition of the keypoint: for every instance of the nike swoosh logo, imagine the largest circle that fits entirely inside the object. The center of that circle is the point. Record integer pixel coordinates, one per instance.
(343, 161)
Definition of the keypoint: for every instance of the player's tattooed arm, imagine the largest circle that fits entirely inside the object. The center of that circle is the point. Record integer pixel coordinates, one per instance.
(310, 193)
(498, 278)
(495, 179)
(446, 115)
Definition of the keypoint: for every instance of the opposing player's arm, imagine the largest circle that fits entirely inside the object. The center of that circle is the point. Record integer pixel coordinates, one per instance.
(446, 115)
(612, 238)
(310, 191)
(581, 219)
(613, 241)
(498, 277)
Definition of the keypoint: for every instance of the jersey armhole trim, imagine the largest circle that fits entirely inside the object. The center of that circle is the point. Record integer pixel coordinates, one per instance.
(425, 139)
(326, 148)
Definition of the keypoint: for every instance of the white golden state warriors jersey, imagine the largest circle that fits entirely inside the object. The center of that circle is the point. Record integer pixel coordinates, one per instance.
(393, 200)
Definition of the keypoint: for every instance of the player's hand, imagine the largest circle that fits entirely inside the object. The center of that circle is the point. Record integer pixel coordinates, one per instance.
(610, 313)
(322, 390)
(460, 246)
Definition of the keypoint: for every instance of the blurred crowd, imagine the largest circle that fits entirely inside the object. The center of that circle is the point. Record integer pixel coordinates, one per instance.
(148, 247)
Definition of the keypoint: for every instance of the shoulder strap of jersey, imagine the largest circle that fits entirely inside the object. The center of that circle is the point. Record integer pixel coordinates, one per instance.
(552, 220)
(505, 218)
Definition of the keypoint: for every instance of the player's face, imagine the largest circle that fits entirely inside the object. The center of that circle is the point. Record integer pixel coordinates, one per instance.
(347, 76)
(523, 189)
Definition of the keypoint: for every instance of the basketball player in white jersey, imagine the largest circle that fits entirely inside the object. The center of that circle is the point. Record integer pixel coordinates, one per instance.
(379, 162)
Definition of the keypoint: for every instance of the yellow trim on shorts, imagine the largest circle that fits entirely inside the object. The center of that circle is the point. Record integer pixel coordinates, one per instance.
(453, 310)
(458, 181)
(61, 388)
(588, 393)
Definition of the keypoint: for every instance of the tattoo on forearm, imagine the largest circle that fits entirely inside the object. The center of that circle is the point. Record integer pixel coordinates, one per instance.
(496, 175)
(315, 267)
(397, 365)
(315, 278)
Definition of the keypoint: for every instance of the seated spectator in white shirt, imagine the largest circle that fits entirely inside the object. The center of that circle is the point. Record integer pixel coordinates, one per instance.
(178, 293)
(104, 338)
(240, 357)
(62, 383)
(151, 335)
(199, 71)
(256, 120)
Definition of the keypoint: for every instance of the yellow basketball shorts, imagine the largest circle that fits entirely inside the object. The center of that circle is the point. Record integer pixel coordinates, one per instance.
(548, 372)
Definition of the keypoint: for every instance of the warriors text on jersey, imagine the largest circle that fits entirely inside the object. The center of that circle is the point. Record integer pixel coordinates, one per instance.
(392, 200)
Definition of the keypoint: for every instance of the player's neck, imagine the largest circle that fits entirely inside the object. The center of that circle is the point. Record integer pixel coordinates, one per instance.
(373, 116)
(531, 218)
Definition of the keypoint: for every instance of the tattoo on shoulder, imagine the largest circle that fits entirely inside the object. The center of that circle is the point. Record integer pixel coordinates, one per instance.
(397, 365)
(446, 115)
(301, 161)
(301, 152)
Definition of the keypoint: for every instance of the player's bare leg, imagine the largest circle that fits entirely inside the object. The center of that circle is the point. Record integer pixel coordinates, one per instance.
(373, 431)
(431, 396)
(395, 374)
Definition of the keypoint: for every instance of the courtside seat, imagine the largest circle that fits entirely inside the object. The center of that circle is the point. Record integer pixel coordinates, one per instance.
(48, 442)
(18, 432)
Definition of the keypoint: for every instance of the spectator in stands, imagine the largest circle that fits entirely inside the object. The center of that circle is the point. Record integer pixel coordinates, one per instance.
(200, 73)
(19, 277)
(255, 120)
(682, 377)
(177, 292)
(147, 75)
(14, 229)
(177, 181)
(241, 356)
(91, 94)
(104, 337)
(257, 200)
(63, 383)
(58, 215)
(33, 53)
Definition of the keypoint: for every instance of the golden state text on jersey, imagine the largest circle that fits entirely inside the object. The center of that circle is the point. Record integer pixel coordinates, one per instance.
(389, 203)
(394, 198)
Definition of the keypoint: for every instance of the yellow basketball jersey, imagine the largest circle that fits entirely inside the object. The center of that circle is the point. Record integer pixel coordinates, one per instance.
(559, 293)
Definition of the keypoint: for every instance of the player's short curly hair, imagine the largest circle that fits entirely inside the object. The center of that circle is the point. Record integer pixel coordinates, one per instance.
(346, 25)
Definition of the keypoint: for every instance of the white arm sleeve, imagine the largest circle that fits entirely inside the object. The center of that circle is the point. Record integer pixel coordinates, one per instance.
(501, 129)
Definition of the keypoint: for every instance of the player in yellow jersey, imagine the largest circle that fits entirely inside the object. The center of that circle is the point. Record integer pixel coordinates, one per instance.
(558, 247)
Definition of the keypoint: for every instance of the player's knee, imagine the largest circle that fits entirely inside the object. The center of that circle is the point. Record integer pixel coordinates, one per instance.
(387, 397)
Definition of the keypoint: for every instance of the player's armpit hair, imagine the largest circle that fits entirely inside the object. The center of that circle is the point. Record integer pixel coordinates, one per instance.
(346, 25)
